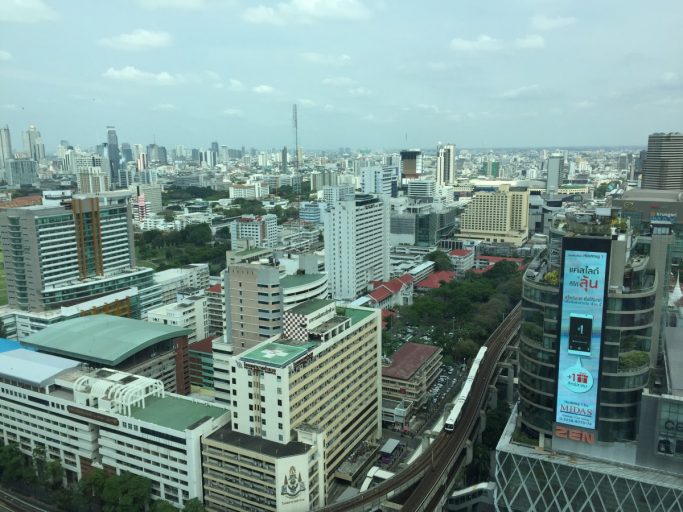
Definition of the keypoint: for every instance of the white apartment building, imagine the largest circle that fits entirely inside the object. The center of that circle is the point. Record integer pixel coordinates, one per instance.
(247, 191)
(190, 313)
(300, 403)
(356, 244)
(105, 419)
(501, 216)
(379, 180)
(445, 165)
(262, 230)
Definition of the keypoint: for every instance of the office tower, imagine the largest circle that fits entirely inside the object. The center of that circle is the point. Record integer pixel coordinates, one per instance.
(498, 217)
(554, 167)
(422, 189)
(663, 169)
(92, 180)
(126, 153)
(55, 256)
(622, 162)
(411, 164)
(356, 244)
(21, 171)
(284, 159)
(601, 394)
(445, 165)
(157, 154)
(209, 158)
(5, 146)
(301, 403)
(490, 168)
(260, 230)
(379, 180)
(152, 193)
(33, 144)
(117, 179)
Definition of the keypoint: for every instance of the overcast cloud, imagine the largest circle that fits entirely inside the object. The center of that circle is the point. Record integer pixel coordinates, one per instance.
(365, 73)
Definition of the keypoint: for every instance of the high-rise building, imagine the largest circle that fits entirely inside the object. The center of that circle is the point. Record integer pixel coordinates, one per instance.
(91, 180)
(5, 147)
(56, 256)
(554, 167)
(422, 189)
(501, 216)
(261, 230)
(284, 159)
(356, 231)
(663, 169)
(301, 403)
(379, 180)
(411, 164)
(126, 153)
(21, 171)
(445, 165)
(599, 375)
(117, 179)
(33, 144)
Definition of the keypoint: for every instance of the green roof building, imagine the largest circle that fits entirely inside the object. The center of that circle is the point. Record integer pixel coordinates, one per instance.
(135, 346)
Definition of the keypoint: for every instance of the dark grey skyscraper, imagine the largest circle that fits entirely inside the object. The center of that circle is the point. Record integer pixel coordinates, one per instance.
(114, 158)
(127, 152)
(663, 169)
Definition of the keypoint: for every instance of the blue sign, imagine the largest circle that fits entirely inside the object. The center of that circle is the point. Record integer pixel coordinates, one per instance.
(584, 283)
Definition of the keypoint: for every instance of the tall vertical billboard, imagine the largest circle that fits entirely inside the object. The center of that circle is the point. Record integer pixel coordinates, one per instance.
(585, 273)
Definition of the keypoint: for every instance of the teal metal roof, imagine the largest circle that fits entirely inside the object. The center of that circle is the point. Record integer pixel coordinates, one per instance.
(310, 306)
(102, 339)
(299, 279)
(276, 354)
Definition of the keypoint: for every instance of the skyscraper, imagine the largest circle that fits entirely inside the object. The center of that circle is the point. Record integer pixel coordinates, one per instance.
(113, 157)
(33, 143)
(554, 167)
(356, 244)
(5, 146)
(445, 165)
(411, 164)
(663, 169)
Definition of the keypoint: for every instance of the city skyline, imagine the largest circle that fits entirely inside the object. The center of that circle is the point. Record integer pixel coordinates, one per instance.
(363, 73)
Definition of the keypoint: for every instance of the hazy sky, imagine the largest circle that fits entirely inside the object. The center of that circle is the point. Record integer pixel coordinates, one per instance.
(365, 73)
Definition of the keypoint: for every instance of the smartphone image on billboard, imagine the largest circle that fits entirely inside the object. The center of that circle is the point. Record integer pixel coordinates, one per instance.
(580, 333)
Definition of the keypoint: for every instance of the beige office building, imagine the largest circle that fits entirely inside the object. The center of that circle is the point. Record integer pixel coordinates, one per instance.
(499, 217)
(301, 403)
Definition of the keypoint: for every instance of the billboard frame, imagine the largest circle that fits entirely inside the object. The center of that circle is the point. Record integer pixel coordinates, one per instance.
(585, 244)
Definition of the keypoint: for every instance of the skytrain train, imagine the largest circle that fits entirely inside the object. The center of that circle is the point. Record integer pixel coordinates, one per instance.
(453, 417)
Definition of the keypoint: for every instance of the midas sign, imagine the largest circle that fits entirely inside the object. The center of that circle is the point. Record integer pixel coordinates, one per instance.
(574, 434)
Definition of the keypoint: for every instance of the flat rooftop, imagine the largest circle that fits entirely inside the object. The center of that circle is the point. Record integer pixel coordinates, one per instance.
(33, 367)
(103, 339)
(299, 280)
(276, 354)
(358, 315)
(310, 306)
(256, 444)
(176, 413)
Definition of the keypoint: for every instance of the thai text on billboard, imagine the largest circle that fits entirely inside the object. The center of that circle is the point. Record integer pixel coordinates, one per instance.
(583, 300)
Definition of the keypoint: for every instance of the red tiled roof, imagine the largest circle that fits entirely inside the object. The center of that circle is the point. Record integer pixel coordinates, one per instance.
(18, 202)
(496, 259)
(385, 290)
(408, 359)
(216, 288)
(460, 252)
(405, 278)
(380, 293)
(434, 280)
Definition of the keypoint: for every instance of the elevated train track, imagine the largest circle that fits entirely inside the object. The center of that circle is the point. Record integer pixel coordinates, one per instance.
(436, 466)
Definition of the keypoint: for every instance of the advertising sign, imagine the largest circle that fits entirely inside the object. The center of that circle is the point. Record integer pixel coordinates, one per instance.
(585, 269)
